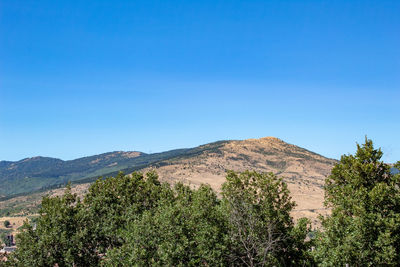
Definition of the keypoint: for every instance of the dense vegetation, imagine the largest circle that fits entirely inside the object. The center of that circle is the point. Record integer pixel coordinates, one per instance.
(134, 220)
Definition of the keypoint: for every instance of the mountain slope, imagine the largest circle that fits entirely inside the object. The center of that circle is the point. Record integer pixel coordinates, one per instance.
(38, 173)
(303, 170)
(265, 154)
(31, 174)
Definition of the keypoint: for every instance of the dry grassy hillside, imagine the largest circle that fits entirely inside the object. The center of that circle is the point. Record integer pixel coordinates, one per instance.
(304, 171)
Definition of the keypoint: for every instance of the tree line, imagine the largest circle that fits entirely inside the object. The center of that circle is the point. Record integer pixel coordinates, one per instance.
(135, 220)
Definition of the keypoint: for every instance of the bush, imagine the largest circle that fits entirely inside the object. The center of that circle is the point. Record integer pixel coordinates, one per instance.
(7, 224)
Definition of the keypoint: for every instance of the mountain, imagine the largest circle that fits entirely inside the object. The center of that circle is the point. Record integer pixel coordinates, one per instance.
(40, 173)
(35, 173)
(267, 154)
(303, 170)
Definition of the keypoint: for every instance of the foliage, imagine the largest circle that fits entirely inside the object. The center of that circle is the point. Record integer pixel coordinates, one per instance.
(112, 203)
(57, 238)
(186, 230)
(364, 227)
(3, 235)
(7, 224)
(262, 232)
(134, 220)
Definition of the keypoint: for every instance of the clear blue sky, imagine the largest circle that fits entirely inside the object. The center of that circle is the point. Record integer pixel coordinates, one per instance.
(84, 77)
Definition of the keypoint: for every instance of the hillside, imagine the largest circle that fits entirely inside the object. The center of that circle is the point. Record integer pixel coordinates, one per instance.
(42, 173)
(303, 170)
(37, 173)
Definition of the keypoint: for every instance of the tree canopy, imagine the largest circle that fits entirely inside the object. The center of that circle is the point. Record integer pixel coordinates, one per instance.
(261, 230)
(364, 227)
(57, 237)
(134, 220)
(185, 230)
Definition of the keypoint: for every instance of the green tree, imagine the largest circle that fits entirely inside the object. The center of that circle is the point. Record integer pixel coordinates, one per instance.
(113, 202)
(134, 220)
(186, 230)
(364, 227)
(57, 237)
(3, 237)
(69, 232)
(262, 231)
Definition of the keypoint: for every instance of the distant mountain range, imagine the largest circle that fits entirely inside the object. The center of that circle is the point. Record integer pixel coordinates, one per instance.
(38, 173)
(303, 170)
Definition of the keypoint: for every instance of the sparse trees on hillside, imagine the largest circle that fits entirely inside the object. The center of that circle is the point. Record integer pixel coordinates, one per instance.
(364, 227)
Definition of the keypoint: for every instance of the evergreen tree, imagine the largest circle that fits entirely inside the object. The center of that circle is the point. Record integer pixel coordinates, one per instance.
(364, 227)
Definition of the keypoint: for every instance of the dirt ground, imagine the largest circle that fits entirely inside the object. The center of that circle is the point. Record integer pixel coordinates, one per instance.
(16, 222)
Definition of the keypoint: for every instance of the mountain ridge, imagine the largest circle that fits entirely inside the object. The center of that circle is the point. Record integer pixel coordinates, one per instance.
(304, 171)
(39, 172)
